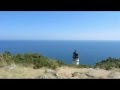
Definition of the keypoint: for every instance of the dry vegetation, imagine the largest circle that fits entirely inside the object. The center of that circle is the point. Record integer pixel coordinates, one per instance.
(20, 72)
(35, 66)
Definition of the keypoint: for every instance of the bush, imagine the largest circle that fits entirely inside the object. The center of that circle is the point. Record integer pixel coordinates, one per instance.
(109, 63)
(27, 59)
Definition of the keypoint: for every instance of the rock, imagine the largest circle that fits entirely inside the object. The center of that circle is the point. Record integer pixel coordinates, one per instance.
(88, 75)
(41, 77)
(114, 75)
(75, 74)
(82, 75)
(50, 72)
(13, 66)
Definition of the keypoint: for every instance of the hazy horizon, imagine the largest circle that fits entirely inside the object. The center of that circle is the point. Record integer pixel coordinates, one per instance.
(57, 40)
(60, 25)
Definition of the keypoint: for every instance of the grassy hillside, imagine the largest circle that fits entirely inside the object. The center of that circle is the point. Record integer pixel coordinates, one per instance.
(29, 59)
(108, 64)
(37, 61)
(34, 65)
(33, 59)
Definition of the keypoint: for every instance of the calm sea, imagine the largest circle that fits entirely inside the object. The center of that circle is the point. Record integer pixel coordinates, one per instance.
(90, 52)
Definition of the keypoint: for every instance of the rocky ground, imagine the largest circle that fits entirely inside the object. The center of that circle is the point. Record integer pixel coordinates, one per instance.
(83, 73)
(20, 72)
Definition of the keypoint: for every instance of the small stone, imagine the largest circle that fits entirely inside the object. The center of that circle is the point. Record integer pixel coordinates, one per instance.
(75, 74)
(41, 77)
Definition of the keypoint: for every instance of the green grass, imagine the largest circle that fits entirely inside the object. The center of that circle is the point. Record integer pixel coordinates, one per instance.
(108, 64)
(38, 61)
(28, 59)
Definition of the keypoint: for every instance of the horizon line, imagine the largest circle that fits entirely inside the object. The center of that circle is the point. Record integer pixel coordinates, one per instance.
(57, 40)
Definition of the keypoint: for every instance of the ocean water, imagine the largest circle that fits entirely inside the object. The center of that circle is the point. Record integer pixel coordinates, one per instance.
(90, 52)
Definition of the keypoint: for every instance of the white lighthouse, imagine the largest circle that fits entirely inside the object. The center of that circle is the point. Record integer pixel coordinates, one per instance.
(75, 58)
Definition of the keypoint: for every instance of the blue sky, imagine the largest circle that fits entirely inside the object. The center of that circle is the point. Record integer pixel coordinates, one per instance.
(59, 25)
